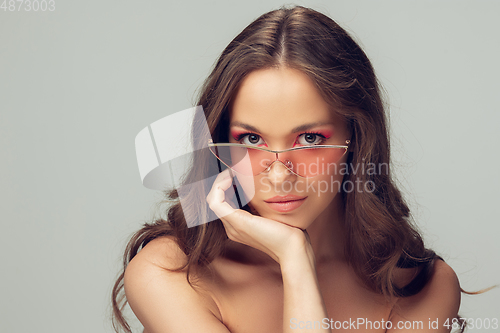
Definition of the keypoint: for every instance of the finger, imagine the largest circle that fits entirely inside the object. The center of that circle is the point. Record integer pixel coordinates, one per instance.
(217, 197)
(223, 176)
(239, 222)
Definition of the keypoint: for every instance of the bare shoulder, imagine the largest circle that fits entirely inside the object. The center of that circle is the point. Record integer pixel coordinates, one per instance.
(162, 252)
(438, 300)
(161, 297)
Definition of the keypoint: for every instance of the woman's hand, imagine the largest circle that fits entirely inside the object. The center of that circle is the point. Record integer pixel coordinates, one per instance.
(274, 238)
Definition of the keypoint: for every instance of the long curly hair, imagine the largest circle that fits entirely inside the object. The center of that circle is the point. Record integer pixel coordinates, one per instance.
(380, 233)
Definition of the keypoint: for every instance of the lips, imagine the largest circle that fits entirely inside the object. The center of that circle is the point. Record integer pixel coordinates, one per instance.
(285, 198)
(285, 203)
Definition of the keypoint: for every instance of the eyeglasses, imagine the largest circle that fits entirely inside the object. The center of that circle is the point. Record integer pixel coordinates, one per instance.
(303, 161)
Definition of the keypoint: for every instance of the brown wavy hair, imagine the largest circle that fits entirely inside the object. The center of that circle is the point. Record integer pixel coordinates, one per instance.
(380, 235)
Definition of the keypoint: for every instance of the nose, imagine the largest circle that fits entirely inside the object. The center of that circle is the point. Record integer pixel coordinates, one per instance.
(278, 171)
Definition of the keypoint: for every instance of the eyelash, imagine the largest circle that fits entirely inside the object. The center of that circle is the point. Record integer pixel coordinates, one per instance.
(240, 137)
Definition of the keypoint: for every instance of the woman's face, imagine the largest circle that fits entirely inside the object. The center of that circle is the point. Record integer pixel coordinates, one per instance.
(279, 109)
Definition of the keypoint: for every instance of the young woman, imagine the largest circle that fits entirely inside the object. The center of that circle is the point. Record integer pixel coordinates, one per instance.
(326, 242)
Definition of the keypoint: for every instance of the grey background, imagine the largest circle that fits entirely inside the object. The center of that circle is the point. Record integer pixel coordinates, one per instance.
(77, 84)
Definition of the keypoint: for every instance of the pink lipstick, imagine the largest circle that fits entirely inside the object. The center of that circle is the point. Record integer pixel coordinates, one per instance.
(285, 203)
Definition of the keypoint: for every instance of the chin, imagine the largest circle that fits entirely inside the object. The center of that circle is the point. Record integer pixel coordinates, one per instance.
(296, 220)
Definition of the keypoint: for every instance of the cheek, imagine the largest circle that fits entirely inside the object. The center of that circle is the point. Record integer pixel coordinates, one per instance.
(323, 190)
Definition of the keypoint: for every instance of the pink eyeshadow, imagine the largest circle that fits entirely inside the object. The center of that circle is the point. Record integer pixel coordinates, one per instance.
(235, 133)
(326, 133)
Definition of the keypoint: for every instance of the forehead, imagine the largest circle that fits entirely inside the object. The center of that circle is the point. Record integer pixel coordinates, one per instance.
(278, 100)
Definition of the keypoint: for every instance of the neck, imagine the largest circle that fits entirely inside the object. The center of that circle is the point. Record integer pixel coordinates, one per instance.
(327, 233)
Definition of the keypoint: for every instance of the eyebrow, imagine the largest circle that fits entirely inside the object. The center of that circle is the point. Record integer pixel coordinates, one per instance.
(294, 130)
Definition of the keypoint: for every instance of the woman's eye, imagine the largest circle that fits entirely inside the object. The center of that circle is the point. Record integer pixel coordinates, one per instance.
(252, 140)
(310, 139)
